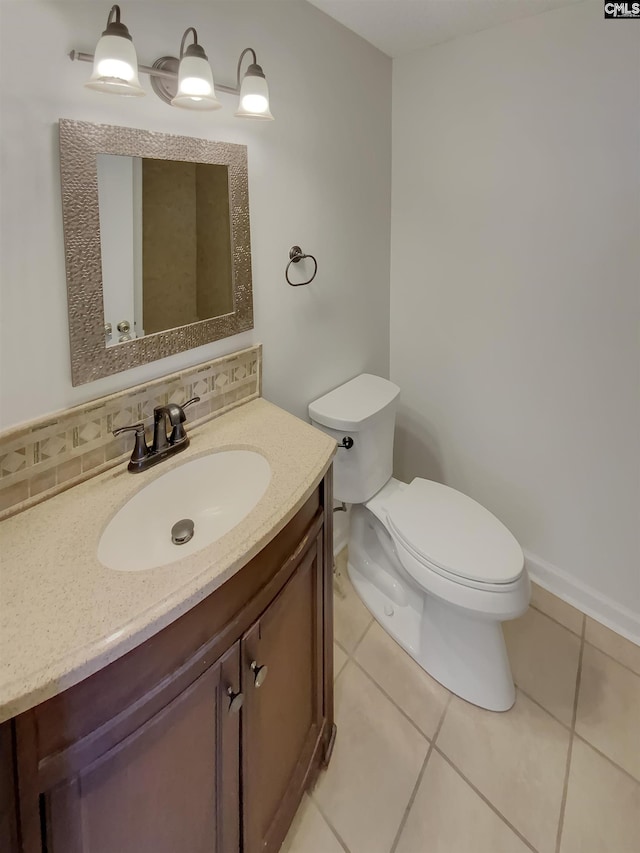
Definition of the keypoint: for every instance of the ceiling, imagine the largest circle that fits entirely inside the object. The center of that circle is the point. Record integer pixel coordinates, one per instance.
(397, 27)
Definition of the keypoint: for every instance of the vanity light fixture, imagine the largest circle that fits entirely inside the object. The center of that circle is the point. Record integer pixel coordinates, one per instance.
(115, 64)
(195, 79)
(186, 82)
(254, 92)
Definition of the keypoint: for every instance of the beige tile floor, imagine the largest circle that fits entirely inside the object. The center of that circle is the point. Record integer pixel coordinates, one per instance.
(417, 770)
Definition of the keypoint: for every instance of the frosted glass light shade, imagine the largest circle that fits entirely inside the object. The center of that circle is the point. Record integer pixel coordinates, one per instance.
(254, 97)
(115, 67)
(195, 85)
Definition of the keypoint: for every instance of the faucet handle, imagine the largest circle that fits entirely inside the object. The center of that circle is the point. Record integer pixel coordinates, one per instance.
(177, 433)
(137, 428)
(140, 450)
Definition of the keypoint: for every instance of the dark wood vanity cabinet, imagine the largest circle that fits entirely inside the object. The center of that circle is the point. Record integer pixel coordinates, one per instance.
(166, 787)
(283, 717)
(204, 737)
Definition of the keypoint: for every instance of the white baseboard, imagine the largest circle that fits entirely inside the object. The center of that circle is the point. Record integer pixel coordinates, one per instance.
(615, 616)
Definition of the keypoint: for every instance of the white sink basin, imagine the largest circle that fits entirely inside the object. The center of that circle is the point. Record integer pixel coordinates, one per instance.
(215, 492)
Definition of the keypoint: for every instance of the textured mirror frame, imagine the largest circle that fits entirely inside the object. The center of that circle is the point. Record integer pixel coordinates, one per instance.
(80, 142)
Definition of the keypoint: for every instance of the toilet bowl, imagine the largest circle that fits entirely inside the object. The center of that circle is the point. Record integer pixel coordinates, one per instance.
(436, 569)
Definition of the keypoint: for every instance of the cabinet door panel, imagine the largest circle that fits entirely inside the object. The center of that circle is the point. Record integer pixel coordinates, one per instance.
(165, 788)
(283, 716)
(8, 813)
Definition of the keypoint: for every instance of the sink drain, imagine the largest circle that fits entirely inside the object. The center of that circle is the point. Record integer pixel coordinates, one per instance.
(182, 531)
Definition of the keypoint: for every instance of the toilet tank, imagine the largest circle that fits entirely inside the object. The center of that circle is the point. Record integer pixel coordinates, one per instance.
(364, 409)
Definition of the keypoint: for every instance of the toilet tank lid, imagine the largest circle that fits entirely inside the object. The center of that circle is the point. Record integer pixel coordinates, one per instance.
(352, 405)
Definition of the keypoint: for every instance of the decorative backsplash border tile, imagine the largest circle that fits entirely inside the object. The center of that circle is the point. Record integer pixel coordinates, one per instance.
(43, 457)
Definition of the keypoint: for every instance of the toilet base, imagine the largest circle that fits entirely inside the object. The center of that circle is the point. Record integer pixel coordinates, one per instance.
(465, 652)
(467, 656)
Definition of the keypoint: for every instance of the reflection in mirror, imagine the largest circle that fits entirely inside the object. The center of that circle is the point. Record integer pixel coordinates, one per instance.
(185, 256)
(165, 234)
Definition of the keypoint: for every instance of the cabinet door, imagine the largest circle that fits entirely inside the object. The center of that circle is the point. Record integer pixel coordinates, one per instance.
(282, 714)
(172, 785)
(8, 813)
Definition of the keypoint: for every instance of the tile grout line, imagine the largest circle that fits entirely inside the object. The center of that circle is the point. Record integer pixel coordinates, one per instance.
(560, 722)
(351, 657)
(589, 642)
(392, 700)
(612, 657)
(557, 621)
(568, 726)
(565, 787)
(485, 800)
(336, 675)
(340, 646)
(414, 793)
(332, 829)
(364, 634)
(578, 736)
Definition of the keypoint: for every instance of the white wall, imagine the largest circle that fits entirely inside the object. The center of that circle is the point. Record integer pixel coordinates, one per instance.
(319, 177)
(119, 240)
(515, 289)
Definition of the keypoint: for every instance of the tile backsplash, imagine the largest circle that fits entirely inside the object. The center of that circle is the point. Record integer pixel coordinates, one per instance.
(41, 458)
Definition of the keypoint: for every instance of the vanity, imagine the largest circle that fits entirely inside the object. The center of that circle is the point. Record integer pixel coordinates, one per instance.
(180, 708)
(166, 636)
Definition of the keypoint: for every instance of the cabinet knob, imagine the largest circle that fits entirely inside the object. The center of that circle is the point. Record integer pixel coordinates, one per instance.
(235, 700)
(260, 673)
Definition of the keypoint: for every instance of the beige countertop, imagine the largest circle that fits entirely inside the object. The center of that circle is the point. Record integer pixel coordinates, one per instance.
(63, 615)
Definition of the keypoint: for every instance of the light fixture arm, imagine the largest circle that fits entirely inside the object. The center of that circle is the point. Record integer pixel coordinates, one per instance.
(184, 38)
(242, 56)
(115, 27)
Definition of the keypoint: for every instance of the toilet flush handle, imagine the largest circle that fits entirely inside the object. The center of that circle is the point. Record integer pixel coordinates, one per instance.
(347, 442)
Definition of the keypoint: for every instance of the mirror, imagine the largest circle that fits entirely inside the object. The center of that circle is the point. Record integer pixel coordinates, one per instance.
(157, 244)
(165, 238)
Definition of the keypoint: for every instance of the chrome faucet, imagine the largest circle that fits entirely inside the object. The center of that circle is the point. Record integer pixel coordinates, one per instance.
(163, 445)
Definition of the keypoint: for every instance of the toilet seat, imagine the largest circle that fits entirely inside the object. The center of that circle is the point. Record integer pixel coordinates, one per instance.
(424, 572)
(427, 518)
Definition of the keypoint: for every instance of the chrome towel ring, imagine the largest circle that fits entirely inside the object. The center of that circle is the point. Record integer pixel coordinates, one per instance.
(295, 256)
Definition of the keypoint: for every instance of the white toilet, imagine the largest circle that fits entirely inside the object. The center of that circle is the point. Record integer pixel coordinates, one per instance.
(437, 570)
